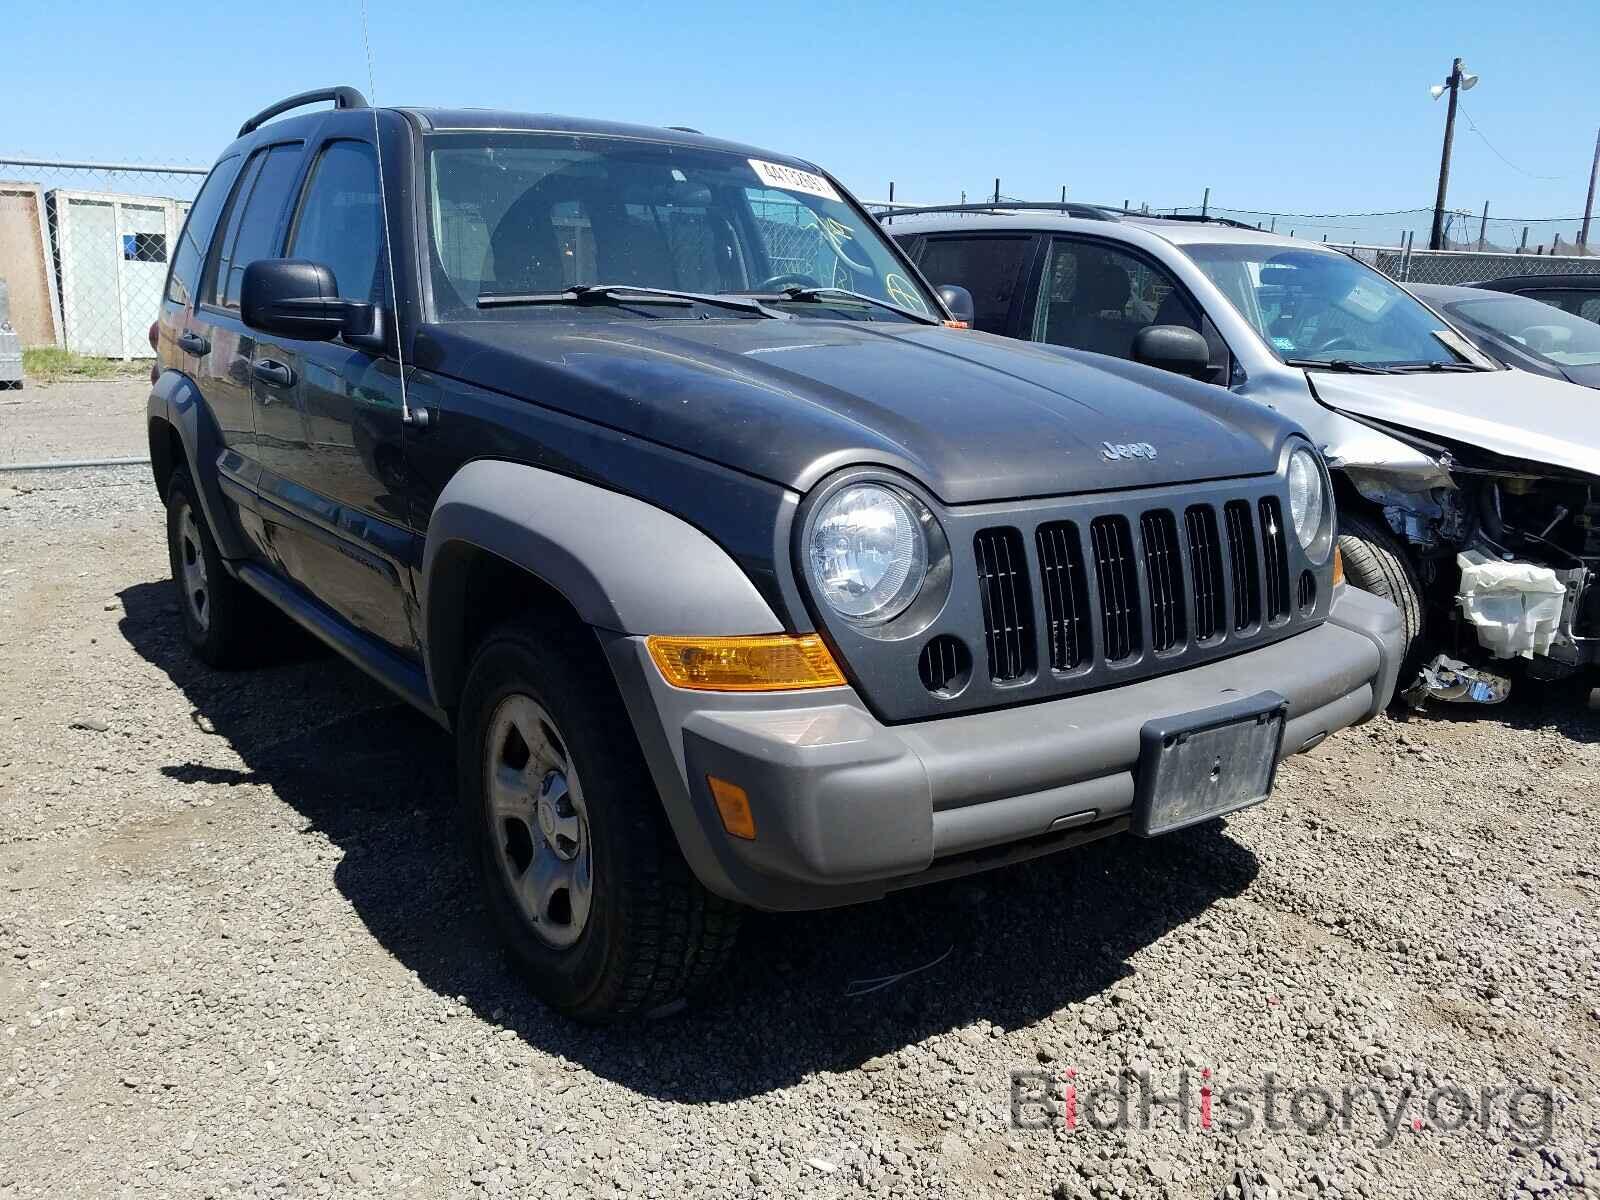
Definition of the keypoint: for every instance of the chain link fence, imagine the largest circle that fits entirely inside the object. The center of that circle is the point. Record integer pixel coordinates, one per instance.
(84, 249)
(1466, 266)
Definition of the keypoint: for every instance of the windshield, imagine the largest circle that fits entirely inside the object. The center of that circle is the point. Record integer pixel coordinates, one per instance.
(1543, 329)
(533, 214)
(1320, 306)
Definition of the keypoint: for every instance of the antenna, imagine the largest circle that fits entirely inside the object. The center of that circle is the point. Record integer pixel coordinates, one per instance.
(407, 417)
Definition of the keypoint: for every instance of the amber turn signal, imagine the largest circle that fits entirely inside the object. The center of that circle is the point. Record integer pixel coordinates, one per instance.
(1338, 567)
(733, 805)
(764, 663)
(957, 325)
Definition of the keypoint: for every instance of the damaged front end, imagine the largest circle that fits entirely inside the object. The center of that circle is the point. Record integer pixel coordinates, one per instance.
(1508, 553)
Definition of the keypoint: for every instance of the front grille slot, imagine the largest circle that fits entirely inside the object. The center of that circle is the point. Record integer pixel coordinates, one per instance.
(1205, 565)
(1245, 574)
(1066, 595)
(1276, 556)
(1118, 578)
(1163, 567)
(1007, 603)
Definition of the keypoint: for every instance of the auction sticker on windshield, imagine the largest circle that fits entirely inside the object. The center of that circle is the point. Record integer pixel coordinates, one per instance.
(793, 179)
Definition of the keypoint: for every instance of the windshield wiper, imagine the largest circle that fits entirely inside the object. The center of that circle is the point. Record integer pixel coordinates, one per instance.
(625, 294)
(1337, 364)
(819, 295)
(1418, 368)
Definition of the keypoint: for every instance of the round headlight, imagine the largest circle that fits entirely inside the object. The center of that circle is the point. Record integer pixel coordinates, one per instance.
(868, 553)
(1308, 504)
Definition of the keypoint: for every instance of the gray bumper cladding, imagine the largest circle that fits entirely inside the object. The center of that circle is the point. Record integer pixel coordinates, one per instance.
(847, 808)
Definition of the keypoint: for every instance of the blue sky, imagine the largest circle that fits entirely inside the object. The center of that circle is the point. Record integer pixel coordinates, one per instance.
(1292, 107)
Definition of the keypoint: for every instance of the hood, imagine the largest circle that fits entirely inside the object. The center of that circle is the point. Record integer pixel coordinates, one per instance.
(1512, 413)
(972, 417)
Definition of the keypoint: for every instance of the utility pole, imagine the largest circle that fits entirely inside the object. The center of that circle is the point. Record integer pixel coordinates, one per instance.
(1588, 205)
(1483, 225)
(1453, 86)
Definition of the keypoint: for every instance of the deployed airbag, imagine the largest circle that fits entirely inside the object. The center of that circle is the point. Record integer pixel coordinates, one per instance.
(1516, 606)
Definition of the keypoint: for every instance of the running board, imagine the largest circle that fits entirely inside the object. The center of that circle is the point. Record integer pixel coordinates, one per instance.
(403, 678)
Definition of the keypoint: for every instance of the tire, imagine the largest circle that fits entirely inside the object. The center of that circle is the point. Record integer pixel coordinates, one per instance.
(1376, 562)
(216, 609)
(577, 867)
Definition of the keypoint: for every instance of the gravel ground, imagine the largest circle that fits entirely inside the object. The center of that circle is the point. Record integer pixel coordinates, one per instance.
(83, 419)
(239, 957)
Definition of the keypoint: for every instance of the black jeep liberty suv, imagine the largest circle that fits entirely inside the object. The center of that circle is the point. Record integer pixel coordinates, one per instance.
(650, 467)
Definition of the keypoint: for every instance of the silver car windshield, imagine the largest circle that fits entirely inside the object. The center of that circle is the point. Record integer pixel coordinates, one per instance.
(1543, 329)
(527, 214)
(1322, 307)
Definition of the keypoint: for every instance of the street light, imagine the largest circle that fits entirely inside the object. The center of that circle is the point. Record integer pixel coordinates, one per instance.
(1460, 80)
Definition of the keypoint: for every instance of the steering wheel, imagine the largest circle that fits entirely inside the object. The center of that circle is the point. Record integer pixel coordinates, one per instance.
(787, 280)
(1337, 342)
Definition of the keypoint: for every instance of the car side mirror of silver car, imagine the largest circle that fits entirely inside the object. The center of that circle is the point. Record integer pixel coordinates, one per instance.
(1174, 348)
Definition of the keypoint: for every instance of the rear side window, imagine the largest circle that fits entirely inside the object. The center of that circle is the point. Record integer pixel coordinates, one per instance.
(1579, 304)
(990, 268)
(340, 223)
(253, 218)
(1097, 297)
(191, 253)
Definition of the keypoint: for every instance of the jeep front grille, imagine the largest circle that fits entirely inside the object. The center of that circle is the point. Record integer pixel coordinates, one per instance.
(1007, 603)
(1276, 557)
(1245, 573)
(1163, 568)
(1205, 563)
(1118, 576)
(1165, 592)
(1066, 595)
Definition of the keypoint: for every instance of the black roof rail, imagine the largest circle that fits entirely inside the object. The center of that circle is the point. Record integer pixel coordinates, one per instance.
(1070, 208)
(685, 129)
(1198, 219)
(342, 97)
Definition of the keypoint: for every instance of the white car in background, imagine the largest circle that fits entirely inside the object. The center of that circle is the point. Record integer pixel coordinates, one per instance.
(1469, 493)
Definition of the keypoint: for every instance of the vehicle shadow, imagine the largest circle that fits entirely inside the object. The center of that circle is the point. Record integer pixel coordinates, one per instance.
(1011, 947)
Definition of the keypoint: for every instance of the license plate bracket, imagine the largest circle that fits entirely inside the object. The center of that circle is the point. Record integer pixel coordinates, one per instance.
(1197, 766)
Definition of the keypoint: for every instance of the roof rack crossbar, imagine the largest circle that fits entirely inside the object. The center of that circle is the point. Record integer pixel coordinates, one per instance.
(1071, 208)
(342, 97)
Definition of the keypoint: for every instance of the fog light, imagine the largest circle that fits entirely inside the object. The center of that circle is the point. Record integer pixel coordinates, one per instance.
(766, 663)
(733, 805)
(1338, 566)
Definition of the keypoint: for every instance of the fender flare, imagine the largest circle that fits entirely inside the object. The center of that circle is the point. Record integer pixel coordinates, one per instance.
(175, 399)
(623, 564)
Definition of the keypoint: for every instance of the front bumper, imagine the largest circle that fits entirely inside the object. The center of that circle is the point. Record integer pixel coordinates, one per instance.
(847, 808)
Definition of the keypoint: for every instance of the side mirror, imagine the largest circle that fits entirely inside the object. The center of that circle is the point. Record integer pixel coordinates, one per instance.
(959, 301)
(294, 298)
(1175, 348)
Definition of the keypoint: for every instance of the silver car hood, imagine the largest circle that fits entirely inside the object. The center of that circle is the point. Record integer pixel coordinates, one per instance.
(1505, 412)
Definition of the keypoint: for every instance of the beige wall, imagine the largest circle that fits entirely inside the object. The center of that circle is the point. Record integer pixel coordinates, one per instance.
(23, 266)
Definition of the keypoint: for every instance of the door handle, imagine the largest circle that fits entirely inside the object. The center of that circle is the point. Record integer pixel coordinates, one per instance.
(271, 371)
(193, 343)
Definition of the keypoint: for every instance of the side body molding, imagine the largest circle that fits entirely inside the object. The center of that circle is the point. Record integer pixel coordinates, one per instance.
(623, 564)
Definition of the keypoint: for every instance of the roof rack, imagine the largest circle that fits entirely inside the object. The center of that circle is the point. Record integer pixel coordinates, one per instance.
(1092, 212)
(1197, 218)
(342, 97)
(685, 129)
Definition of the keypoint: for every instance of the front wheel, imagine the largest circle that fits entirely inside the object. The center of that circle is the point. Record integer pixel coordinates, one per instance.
(1376, 562)
(572, 852)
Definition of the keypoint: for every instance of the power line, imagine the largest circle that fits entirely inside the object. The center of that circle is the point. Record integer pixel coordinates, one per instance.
(1473, 125)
